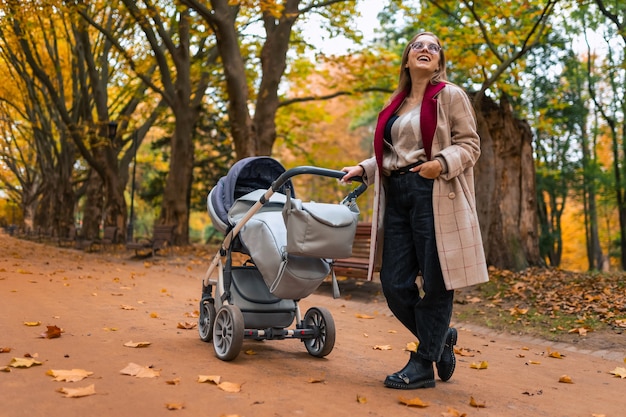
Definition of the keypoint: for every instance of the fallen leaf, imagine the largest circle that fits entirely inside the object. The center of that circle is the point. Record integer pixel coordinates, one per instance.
(566, 379)
(154, 315)
(480, 365)
(363, 316)
(209, 378)
(477, 404)
(78, 392)
(23, 362)
(413, 402)
(464, 352)
(5, 369)
(73, 375)
(453, 413)
(110, 329)
(250, 352)
(132, 344)
(382, 347)
(229, 386)
(555, 355)
(174, 381)
(619, 371)
(174, 406)
(412, 346)
(187, 325)
(140, 371)
(5, 349)
(32, 323)
(361, 399)
(53, 332)
(317, 380)
(533, 363)
(125, 307)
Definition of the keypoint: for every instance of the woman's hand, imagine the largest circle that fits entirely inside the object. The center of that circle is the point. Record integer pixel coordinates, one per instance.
(430, 169)
(355, 171)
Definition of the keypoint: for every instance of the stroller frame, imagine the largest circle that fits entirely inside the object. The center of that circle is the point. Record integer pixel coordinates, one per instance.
(221, 318)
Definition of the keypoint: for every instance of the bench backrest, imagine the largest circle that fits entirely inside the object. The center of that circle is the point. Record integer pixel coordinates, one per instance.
(162, 235)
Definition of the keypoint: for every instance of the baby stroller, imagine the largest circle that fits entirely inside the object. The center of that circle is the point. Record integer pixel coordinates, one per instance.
(257, 298)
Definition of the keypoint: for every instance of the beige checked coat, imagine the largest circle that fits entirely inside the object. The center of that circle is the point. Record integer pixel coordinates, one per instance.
(457, 231)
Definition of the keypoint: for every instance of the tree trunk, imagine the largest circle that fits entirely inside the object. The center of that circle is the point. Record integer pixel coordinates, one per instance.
(505, 188)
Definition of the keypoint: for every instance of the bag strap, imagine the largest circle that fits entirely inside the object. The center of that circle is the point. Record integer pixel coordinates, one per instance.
(336, 293)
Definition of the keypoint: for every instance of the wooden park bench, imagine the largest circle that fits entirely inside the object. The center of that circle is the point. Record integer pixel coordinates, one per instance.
(356, 266)
(162, 236)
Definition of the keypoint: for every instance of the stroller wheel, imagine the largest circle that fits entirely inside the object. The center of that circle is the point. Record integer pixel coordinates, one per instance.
(321, 320)
(228, 332)
(206, 320)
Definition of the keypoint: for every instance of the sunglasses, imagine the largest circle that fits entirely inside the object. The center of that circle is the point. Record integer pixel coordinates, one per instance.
(432, 48)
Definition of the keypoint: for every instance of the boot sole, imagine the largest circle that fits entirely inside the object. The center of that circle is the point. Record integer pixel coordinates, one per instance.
(428, 383)
(453, 340)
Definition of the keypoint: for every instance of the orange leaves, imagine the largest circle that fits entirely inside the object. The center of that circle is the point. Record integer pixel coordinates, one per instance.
(53, 332)
(24, 362)
(413, 402)
(479, 365)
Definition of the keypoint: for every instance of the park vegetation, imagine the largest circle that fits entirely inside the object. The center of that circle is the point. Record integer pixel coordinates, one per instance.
(110, 106)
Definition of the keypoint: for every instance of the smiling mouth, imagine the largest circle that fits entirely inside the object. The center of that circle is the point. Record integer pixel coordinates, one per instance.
(423, 58)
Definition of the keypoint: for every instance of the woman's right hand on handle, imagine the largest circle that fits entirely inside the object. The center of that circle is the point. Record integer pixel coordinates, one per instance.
(354, 171)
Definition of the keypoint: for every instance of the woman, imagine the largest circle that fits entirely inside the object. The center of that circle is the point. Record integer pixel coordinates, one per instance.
(425, 146)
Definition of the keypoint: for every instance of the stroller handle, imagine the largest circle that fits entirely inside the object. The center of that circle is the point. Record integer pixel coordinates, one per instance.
(325, 172)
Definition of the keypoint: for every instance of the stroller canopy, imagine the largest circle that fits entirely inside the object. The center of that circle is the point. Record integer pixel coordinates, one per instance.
(246, 175)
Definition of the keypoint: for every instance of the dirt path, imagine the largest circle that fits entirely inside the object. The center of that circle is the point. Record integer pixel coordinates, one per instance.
(104, 300)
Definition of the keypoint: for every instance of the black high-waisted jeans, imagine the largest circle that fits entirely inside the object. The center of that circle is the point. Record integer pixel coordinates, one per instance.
(409, 247)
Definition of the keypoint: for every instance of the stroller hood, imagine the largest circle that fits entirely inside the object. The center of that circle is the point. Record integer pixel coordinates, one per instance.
(246, 175)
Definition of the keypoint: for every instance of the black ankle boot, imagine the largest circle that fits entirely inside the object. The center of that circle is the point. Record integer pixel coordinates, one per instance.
(447, 363)
(418, 373)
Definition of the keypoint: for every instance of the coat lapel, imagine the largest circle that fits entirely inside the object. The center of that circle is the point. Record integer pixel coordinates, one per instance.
(428, 120)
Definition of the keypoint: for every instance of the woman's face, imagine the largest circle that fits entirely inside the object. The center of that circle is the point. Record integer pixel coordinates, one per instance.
(424, 55)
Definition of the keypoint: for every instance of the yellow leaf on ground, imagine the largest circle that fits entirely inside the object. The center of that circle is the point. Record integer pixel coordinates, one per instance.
(412, 346)
(363, 316)
(566, 379)
(250, 352)
(174, 406)
(132, 344)
(477, 404)
(174, 381)
(382, 347)
(73, 375)
(229, 386)
(23, 362)
(126, 307)
(619, 371)
(5, 349)
(534, 362)
(209, 378)
(556, 355)
(413, 402)
(140, 371)
(154, 315)
(78, 392)
(317, 380)
(452, 412)
(32, 323)
(481, 365)
(361, 399)
(187, 325)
